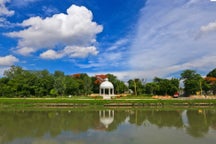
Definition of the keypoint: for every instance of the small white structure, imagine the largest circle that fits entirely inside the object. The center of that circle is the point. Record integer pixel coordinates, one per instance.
(106, 89)
(106, 117)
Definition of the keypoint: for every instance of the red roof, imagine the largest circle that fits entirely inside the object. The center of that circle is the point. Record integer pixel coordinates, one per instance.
(100, 78)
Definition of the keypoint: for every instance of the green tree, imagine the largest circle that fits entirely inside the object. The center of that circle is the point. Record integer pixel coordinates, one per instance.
(174, 86)
(53, 92)
(86, 84)
(4, 88)
(192, 82)
(59, 74)
(44, 83)
(95, 84)
(210, 83)
(151, 88)
(165, 86)
(59, 82)
(72, 86)
(119, 86)
(13, 72)
(136, 86)
(21, 82)
(212, 73)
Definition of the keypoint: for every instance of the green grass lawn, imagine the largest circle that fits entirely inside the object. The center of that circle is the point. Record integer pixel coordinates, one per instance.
(87, 101)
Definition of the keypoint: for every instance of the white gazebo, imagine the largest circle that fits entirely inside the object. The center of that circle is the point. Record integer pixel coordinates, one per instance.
(106, 89)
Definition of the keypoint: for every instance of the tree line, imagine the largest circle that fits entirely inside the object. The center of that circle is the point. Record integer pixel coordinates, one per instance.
(193, 84)
(18, 82)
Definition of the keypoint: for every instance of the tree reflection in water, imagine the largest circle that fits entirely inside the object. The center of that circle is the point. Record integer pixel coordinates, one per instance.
(39, 124)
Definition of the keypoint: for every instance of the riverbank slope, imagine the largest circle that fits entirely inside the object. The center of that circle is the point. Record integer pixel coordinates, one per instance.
(86, 102)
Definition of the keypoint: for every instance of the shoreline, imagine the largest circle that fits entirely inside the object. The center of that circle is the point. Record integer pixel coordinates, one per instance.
(117, 103)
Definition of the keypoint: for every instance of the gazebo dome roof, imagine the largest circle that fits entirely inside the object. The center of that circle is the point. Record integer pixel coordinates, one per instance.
(106, 84)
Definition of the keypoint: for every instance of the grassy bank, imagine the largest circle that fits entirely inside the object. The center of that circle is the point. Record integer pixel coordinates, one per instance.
(68, 102)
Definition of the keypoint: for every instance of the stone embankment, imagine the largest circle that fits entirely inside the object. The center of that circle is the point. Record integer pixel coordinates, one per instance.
(186, 98)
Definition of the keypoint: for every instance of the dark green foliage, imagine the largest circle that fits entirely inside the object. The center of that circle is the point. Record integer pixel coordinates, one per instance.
(192, 82)
(166, 87)
(24, 83)
(4, 88)
(212, 73)
(95, 85)
(85, 85)
(151, 88)
(137, 86)
(211, 85)
(119, 86)
(18, 82)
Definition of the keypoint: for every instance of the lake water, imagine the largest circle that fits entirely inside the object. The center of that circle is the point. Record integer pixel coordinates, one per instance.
(108, 127)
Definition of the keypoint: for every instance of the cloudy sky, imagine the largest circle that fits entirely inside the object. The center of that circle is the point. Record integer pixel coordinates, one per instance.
(128, 38)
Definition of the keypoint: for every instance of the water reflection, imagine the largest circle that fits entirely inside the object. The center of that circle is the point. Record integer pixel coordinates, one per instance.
(66, 127)
(106, 117)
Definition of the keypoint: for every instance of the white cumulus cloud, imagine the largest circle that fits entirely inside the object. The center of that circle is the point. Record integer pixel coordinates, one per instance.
(74, 51)
(73, 29)
(8, 60)
(209, 27)
(4, 11)
(51, 54)
(70, 51)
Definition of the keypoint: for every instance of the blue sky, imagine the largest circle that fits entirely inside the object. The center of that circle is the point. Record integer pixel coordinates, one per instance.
(128, 38)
